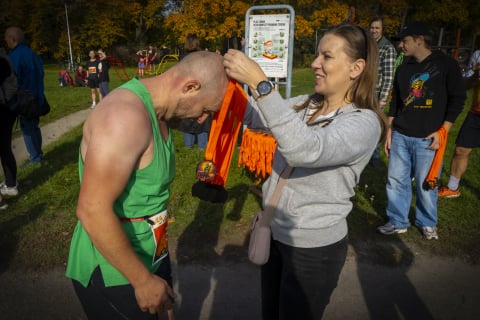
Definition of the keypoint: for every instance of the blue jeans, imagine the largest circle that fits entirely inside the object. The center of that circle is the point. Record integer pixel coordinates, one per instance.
(103, 86)
(409, 157)
(189, 139)
(32, 137)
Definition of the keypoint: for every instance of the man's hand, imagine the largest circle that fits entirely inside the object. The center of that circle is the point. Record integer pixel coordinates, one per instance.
(388, 142)
(435, 141)
(382, 104)
(154, 295)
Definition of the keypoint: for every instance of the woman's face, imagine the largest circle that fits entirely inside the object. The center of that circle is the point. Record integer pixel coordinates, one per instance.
(332, 67)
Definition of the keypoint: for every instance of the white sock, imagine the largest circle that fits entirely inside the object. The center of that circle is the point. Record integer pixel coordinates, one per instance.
(453, 183)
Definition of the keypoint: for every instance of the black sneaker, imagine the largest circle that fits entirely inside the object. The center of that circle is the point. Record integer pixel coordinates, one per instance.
(3, 205)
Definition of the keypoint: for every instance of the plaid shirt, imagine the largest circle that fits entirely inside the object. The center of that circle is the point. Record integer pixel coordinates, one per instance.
(386, 68)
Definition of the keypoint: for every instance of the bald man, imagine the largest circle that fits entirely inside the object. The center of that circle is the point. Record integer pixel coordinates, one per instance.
(119, 260)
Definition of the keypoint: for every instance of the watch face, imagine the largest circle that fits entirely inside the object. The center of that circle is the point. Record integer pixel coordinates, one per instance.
(264, 88)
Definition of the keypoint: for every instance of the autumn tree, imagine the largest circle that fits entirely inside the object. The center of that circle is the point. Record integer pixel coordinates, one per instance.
(212, 20)
(137, 23)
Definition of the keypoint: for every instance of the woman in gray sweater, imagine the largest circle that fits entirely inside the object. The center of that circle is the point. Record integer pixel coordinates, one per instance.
(328, 139)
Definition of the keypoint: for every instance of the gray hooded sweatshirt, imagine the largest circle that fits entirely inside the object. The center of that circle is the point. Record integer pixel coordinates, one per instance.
(327, 161)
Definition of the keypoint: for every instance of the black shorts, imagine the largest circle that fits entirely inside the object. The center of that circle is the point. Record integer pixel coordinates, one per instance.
(116, 302)
(93, 83)
(469, 134)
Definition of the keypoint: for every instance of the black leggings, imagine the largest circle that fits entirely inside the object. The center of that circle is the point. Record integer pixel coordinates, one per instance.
(117, 302)
(9, 164)
(297, 282)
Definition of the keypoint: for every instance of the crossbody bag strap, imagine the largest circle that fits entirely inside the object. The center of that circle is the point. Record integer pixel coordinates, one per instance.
(270, 208)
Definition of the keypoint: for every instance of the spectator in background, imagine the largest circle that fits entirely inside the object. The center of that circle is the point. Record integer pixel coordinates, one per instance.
(81, 77)
(103, 77)
(29, 70)
(386, 68)
(64, 78)
(151, 57)
(165, 50)
(7, 120)
(428, 95)
(141, 63)
(61, 78)
(469, 135)
(473, 62)
(191, 128)
(92, 78)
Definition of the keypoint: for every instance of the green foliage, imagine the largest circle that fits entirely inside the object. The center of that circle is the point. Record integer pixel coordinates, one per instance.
(137, 23)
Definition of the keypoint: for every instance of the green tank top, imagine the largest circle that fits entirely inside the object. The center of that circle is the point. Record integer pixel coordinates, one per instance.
(146, 193)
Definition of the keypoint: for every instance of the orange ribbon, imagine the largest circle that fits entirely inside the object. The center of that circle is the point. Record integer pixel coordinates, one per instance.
(223, 135)
(256, 152)
(432, 177)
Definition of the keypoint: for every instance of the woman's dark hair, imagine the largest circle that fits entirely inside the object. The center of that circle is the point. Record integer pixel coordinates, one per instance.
(192, 43)
(377, 18)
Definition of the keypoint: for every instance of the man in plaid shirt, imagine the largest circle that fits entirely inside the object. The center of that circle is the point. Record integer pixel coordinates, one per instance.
(387, 55)
(386, 70)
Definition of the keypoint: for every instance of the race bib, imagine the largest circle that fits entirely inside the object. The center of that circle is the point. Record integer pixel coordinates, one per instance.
(158, 224)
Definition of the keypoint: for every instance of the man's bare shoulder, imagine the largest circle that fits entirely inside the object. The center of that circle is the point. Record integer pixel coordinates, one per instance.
(120, 108)
(121, 115)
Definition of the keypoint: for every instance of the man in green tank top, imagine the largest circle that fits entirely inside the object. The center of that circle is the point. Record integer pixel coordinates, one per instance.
(118, 259)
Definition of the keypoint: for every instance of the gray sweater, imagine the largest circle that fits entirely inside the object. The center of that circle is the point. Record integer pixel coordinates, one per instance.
(327, 161)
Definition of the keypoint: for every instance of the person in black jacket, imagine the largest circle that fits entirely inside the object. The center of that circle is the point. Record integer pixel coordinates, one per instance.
(7, 120)
(103, 77)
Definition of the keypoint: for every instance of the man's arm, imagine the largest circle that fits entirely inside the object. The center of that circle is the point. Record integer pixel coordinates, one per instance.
(388, 139)
(118, 136)
(456, 92)
(388, 71)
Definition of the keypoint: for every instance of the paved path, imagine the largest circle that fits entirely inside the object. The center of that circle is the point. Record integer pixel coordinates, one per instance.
(50, 133)
(421, 287)
(428, 288)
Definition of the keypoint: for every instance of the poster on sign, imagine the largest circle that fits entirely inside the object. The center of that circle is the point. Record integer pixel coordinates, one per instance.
(268, 43)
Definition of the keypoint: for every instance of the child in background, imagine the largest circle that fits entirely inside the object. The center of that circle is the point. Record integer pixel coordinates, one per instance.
(141, 64)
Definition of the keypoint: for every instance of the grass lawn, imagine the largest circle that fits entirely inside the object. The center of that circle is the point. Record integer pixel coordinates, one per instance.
(36, 229)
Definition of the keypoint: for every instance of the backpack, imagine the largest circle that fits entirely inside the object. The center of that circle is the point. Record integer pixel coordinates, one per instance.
(22, 102)
(8, 80)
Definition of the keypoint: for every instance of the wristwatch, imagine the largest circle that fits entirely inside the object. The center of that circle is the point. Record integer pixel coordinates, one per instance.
(263, 88)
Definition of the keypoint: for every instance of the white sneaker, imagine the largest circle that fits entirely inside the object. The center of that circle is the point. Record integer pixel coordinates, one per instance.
(430, 233)
(8, 191)
(93, 105)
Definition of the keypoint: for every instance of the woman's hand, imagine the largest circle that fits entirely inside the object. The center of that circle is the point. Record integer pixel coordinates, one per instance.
(243, 69)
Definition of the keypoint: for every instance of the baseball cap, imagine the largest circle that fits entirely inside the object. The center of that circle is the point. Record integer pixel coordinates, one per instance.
(417, 28)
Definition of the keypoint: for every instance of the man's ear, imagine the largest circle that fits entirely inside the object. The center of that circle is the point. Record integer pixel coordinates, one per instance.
(191, 86)
(356, 68)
